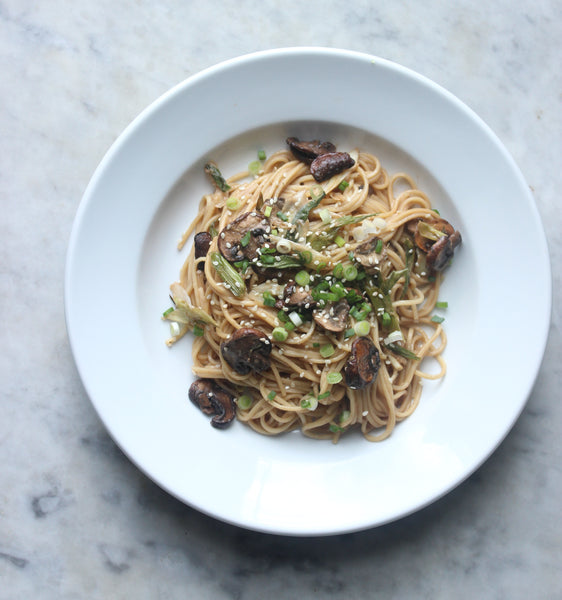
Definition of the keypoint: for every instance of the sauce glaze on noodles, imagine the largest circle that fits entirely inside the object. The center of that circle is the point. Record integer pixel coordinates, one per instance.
(300, 375)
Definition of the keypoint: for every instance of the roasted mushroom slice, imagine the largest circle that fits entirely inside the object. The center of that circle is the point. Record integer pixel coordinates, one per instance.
(307, 151)
(438, 239)
(370, 252)
(295, 296)
(333, 317)
(363, 364)
(442, 251)
(327, 165)
(202, 242)
(428, 232)
(242, 238)
(212, 399)
(248, 349)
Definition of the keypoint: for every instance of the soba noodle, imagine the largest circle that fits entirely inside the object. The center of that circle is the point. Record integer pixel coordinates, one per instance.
(305, 385)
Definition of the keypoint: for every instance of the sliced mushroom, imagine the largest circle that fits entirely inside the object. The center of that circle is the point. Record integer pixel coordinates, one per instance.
(214, 400)
(307, 151)
(202, 242)
(363, 364)
(442, 251)
(428, 232)
(295, 296)
(333, 317)
(438, 239)
(327, 165)
(242, 238)
(248, 349)
(366, 253)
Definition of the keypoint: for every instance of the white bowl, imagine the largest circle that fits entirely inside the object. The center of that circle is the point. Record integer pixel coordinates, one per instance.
(122, 257)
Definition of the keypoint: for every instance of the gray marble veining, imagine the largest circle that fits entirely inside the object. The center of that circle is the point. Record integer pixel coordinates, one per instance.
(77, 519)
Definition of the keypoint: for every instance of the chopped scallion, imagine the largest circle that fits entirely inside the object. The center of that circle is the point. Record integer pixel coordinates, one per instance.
(245, 401)
(261, 155)
(245, 240)
(271, 395)
(281, 215)
(198, 331)
(228, 274)
(339, 241)
(324, 395)
(338, 271)
(325, 215)
(378, 246)
(350, 272)
(302, 278)
(343, 185)
(333, 377)
(362, 328)
(295, 318)
(213, 172)
(386, 319)
(336, 428)
(348, 333)
(309, 402)
(254, 167)
(437, 319)
(242, 265)
(232, 203)
(279, 334)
(441, 305)
(317, 193)
(268, 299)
(401, 351)
(267, 210)
(327, 350)
(167, 312)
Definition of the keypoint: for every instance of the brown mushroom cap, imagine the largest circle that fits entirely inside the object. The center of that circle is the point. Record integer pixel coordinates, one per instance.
(327, 165)
(248, 349)
(363, 364)
(441, 225)
(213, 399)
(333, 317)
(442, 251)
(231, 237)
(366, 255)
(438, 241)
(202, 242)
(295, 296)
(307, 151)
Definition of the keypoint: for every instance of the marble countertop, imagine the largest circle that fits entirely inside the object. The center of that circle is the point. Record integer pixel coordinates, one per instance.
(77, 519)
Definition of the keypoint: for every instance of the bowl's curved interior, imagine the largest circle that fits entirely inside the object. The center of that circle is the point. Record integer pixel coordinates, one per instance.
(122, 257)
